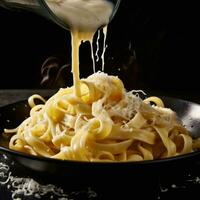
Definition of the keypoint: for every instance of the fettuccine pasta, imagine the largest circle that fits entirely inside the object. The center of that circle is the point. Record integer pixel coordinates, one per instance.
(104, 123)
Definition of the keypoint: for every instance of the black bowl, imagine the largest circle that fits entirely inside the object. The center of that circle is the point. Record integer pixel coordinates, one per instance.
(143, 174)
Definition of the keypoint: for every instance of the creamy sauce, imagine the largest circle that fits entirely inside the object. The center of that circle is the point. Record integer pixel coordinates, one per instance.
(92, 55)
(84, 17)
(77, 38)
(97, 45)
(104, 47)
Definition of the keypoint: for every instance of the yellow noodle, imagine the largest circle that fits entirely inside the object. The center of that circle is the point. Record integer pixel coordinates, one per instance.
(103, 124)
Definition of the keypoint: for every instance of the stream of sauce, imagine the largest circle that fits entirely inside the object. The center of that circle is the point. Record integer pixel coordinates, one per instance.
(84, 17)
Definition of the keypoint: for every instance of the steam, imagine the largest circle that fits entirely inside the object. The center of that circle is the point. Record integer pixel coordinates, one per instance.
(54, 73)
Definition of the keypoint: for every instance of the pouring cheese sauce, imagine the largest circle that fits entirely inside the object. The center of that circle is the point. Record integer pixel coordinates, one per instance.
(84, 17)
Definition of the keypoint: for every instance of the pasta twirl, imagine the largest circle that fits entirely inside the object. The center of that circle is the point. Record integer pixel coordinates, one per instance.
(104, 123)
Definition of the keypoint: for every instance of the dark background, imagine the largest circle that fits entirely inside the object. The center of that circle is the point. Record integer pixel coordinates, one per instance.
(149, 46)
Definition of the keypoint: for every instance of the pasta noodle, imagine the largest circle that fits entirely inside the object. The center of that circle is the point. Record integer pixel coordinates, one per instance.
(104, 123)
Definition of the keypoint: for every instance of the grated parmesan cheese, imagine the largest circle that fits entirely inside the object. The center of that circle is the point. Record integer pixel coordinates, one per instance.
(23, 187)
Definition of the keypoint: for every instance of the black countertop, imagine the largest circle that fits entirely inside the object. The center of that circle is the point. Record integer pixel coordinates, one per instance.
(10, 96)
(16, 182)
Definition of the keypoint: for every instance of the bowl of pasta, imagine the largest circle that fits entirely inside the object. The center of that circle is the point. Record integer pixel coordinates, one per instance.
(105, 132)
